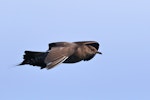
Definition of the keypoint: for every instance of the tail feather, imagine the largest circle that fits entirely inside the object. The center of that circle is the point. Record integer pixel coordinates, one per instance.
(34, 58)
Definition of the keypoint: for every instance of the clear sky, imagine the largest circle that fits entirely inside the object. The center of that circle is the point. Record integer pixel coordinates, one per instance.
(122, 27)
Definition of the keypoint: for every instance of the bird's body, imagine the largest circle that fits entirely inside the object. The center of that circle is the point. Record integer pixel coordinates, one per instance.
(62, 52)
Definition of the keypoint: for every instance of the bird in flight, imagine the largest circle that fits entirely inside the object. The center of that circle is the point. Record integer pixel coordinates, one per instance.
(62, 52)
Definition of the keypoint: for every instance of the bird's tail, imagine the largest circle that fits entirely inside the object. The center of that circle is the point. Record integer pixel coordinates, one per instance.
(34, 58)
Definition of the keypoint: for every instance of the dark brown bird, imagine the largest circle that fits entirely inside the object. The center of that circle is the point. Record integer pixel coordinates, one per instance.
(62, 52)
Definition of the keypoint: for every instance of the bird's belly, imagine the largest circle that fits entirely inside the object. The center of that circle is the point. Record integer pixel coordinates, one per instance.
(72, 59)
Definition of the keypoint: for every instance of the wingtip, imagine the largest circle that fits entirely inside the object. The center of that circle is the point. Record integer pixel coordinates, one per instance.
(19, 64)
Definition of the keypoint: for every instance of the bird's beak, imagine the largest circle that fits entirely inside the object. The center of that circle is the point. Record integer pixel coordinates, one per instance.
(99, 52)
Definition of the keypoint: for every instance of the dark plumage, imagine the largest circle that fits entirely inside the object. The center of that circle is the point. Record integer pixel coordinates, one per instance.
(62, 52)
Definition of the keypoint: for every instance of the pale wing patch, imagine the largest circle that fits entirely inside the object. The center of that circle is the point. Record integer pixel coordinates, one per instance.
(56, 62)
(56, 53)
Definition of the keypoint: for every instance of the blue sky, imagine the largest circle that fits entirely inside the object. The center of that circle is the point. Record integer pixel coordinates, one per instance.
(122, 27)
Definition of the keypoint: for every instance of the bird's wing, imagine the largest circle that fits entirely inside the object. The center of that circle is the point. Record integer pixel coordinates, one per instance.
(91, 43)
(56, 62)
(51, 45)
(57, 44)
(57, 55)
